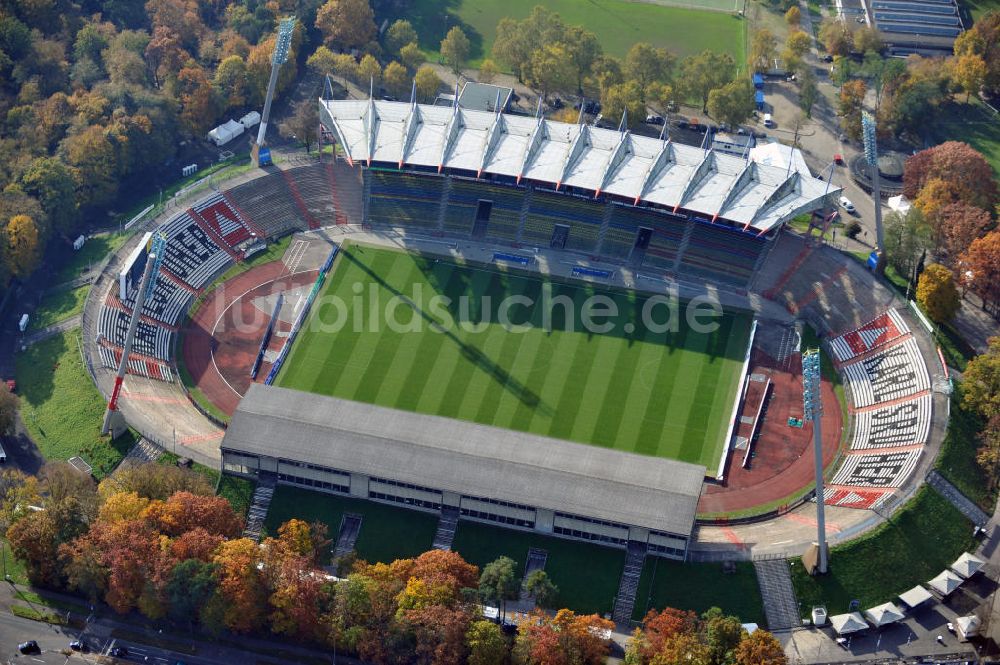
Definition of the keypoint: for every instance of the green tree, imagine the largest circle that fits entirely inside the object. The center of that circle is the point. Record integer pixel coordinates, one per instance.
(428, 83)
(981, 382)
(732, 103)
(796, 45)
(937, 294)
(551, 70)
(646, 65)
(624, 97)
(584, 49)
(498, 582)
(48, 180)
(907, 237)
(192, 584)
(399, 34)
(722, 635)
(8, 410)
(808, 90)
(411, 56)
(701, 74)
(763, 49)
(512, 46)
(346, 23)
(541, 588)
(303, 123)
(455, 48)
(488, 71)
(867, 40)
(230, 81)
(397, 79)
(369, 70)
(321, 61)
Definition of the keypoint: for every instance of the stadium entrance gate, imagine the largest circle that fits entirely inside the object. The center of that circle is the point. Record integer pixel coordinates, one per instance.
(483, 211)
(560, 234)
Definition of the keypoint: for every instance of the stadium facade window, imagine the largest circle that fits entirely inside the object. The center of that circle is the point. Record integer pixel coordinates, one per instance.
(591, 520)
(314, 467)
(405, 500)
(663, 550)
(498, 502)
(499, 519)
(397, 483)
(237, 468)
(313, 483)
(587, 535)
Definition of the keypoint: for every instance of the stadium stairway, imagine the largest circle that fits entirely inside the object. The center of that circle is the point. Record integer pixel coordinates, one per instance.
(447, 524)
(536, 561)
(780, 604)
(293, 189)
(257, 513)
(629, 583)
(350, 527)
(141, 453)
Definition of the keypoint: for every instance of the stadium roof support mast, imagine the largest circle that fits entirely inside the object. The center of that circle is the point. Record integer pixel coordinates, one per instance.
(147, 283)
(871, 156)
(278, 58)
(812, 403)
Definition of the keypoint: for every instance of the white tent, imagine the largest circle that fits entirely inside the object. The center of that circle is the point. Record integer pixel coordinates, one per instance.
(848, 623)
(915, 596)
(946, 582)
(968, 565)
(883, 615)
(225, 132)
(780, 155)
(967, 626)
(899, 204)
(751, 628)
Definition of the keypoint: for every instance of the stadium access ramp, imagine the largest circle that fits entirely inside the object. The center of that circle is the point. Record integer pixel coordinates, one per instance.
(629, 583)
(257, 513)
(447, 524)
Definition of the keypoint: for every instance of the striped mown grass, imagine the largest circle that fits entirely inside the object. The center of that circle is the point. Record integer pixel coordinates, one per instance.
(633, 388)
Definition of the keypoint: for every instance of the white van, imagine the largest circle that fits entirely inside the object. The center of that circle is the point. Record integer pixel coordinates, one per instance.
(3, 455)
(767, 120)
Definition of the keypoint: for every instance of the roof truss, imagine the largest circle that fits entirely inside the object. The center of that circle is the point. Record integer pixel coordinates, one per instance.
(780, 192)
(617, 156)
(738, 185)
(580, 142)
(660, 162)
(694, 180)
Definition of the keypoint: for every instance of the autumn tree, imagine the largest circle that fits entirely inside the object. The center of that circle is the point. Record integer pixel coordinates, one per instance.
(488, 71)
(551, 70)
(968, 72)
(956, 225)
(965, 171)
(659, 628)
(322, 61)
(346, 23)
(867, 40)
(397, 79)
(981, 381)
(455, 49)
(624, 98)
(793, 16)
(936, 293)
(732, 103)
(808, 90)
(428, 83)
(48, 180)
(852, 95)
(156, 481)
(241, 585)
(486, 643)
(583, 48)
(988, 453)
(564, 638)
(797, 44)
(646, 65)
(761, 648)
(980, 268)
(411, 56)
(835, 36)
(185, 511)
(701, 74)
(34, 540)
(983, 40)
(763, 49)
(21, 248)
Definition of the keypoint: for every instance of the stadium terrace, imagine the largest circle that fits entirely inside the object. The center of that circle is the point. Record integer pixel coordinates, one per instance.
(639, 170)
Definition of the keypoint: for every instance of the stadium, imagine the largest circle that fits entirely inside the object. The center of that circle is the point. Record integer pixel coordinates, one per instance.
(651, 439)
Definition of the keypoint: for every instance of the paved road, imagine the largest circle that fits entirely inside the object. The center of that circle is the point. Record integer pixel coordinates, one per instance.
(50, 331)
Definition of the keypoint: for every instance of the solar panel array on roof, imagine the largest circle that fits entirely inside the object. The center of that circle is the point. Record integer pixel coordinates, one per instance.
(912, 7)
(914, 29)
(931, 19)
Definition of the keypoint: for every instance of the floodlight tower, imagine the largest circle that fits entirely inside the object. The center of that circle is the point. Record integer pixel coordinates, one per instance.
(871, 156)
(156, 250)
(280, 56)
(812, 402)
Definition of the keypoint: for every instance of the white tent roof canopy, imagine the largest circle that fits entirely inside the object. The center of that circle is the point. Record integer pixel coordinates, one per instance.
(758, 196)
(851, 622)
(968, 565)
(946, 582)
(883, 615)
(915, 596)
(968, 626)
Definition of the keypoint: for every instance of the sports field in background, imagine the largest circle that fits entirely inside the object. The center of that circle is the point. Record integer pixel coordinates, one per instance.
(666, 394)
(683, 26)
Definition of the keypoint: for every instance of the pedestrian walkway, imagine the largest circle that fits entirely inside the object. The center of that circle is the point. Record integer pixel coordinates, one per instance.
(778, 594)
(957, 499)
(447, 524)
(52, 331)
(257, 513)
(143, 452)
(350, 527)
(629, 584)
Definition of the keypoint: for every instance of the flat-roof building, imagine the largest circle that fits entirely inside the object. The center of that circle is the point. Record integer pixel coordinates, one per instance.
(431, 463)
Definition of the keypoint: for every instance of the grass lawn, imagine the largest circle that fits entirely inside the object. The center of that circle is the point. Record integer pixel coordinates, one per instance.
(979, 7)
(387, 533)
(618, 24)
(239, 492)
(60, 406)
(56, 307)
(699, 586)
(973, 123)
(587, 575)
(90, 255)
(666, 394)
(920, 540)
(957, 459)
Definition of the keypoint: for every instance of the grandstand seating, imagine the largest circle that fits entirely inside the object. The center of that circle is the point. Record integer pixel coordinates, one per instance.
(191, 255)
(216, 212)
(718, 253)
(137, 364)
(313, 184)
(551, 208)
(404, 199)
(897, 372)
(150, 339)
(167, 303)
(505, 215)
(894, 425)
(268, 204)
(668, 232)
(888, 469)
(879, 331)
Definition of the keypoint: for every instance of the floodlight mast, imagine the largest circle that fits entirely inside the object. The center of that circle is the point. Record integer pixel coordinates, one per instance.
(871, 157)
(146, 285)
(280, 56)
(812, 403)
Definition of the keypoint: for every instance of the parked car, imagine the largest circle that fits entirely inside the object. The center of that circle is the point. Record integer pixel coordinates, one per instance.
(589, 107)
(118, 652)
(768, 121)
(846, 204)
(31, 646)
(827, 58)
(78, 645)
(654, 119)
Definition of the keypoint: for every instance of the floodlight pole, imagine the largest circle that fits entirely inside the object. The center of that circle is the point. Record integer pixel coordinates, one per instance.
(871, 156)
(278, 58)
(813, 411)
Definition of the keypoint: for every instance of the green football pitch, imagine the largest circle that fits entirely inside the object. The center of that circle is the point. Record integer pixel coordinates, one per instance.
(412, 332)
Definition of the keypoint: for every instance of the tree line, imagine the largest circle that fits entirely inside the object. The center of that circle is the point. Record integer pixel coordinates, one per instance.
(96, 96)
(155, 540)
